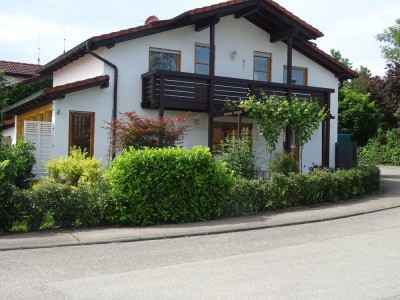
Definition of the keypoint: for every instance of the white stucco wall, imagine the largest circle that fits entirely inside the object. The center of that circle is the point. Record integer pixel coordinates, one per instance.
(132, 59)
(84, 68)
(11, 133)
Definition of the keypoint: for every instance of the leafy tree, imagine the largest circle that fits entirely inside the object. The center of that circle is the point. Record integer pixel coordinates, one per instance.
(358, 116)
(15, 92)
(391, 38)
(385, 91)
(3, 81)
(336, 54)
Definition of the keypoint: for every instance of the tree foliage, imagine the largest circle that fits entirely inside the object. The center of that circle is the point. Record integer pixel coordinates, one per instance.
(358, 116)
(15, 92)
(391, 39)
(140, 132)
(385, 92)
(336, 54)
(273, 114)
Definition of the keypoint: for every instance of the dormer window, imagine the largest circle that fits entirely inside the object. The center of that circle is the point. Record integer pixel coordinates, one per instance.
(163, 59)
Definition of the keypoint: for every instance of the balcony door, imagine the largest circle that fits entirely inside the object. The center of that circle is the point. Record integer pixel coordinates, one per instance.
(81, 130)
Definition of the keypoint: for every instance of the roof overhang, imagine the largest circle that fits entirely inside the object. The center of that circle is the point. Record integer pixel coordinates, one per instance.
(266, 14)
(45, 96)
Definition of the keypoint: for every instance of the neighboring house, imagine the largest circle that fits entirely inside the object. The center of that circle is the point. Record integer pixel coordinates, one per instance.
(192, 62)
(16, 71)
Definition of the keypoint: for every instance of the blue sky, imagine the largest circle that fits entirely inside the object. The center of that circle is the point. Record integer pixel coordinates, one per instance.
(349, 26)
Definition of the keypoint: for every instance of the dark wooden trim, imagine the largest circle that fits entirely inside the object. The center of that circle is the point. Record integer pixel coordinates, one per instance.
(288, 130)
(283, 35)
(238, 80)
(206, 23)
(247, 11)
(161, 104)
(211, 87)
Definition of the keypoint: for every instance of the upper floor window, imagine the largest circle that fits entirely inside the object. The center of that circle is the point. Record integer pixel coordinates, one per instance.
(299, 75)
(162, 59)
(202, 59)
(262, 66)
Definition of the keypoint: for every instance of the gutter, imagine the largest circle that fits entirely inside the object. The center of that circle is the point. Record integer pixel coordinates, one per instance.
(115, 94)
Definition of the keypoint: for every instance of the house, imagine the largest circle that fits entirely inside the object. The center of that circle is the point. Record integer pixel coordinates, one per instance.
(16, 71)
(192, 62)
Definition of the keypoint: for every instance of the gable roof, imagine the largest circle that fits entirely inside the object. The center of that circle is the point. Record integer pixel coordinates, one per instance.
(266, 14)
(45, 96)
(18, 69)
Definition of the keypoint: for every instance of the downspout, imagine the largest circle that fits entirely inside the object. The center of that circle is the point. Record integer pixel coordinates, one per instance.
(115, 94)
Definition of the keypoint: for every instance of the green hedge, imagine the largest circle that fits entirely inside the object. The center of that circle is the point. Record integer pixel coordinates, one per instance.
(176, 185)
(319, 186)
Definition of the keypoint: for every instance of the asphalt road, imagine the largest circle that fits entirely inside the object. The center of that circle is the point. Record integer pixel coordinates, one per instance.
(352, 258)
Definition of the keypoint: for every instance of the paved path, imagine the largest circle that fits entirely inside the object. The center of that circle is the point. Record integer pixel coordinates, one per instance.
(387, 198)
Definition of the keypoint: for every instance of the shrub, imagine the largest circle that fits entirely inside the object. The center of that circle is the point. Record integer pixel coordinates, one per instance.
(132, 130)
(70, 206)
(238, 155)
(9, 210)
(75, 169)
(247, 197)
(383, 149)
(283, 163)
(21, 161)
(167, 185)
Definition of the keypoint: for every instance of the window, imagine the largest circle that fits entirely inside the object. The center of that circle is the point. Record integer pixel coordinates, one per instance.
(299, 75)
(262, 66)
(81, 130)
(224, 129)
(43, 113)
(161, 59)
(202, 59)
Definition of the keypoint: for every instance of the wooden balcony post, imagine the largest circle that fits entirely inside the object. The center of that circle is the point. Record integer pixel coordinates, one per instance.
(211, 87)
(288, 130)
(161, 104)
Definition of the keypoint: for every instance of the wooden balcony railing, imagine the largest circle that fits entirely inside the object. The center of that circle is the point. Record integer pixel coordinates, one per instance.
(191, 92)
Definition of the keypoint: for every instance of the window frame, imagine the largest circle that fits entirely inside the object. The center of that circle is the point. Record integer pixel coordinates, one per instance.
(201, 45)
(305, 72)
(168, 51)
(70, 131)
(232, 128)
(269, 60)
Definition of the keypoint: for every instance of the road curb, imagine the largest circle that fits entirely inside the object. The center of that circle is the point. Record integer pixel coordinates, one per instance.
(199, 233)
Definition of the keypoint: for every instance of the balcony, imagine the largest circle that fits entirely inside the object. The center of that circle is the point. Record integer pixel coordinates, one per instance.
(191, 92)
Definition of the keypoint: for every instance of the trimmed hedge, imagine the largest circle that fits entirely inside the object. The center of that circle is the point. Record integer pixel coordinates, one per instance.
(165, 185)
(319, 186)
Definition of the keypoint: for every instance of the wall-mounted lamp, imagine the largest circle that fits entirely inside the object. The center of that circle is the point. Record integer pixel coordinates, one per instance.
(233, 54)
(58, 112)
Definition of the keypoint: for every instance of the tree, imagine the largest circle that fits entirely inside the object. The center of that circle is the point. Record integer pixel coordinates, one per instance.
(358, 116)
(15, 92)
(338, 56)
(3, 80)
(391, 38)
(385, 91)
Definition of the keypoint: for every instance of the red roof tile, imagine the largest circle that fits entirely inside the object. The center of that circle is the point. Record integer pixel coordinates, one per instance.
(273, 3)
(78, 84)
(17, 68)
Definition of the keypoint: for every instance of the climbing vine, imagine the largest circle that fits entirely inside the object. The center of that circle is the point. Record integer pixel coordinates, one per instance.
(273, 114)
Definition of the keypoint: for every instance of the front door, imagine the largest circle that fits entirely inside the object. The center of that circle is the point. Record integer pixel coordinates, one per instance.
(81, 130)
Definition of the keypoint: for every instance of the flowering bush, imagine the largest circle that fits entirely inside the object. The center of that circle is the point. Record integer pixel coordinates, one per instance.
(139, 131)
